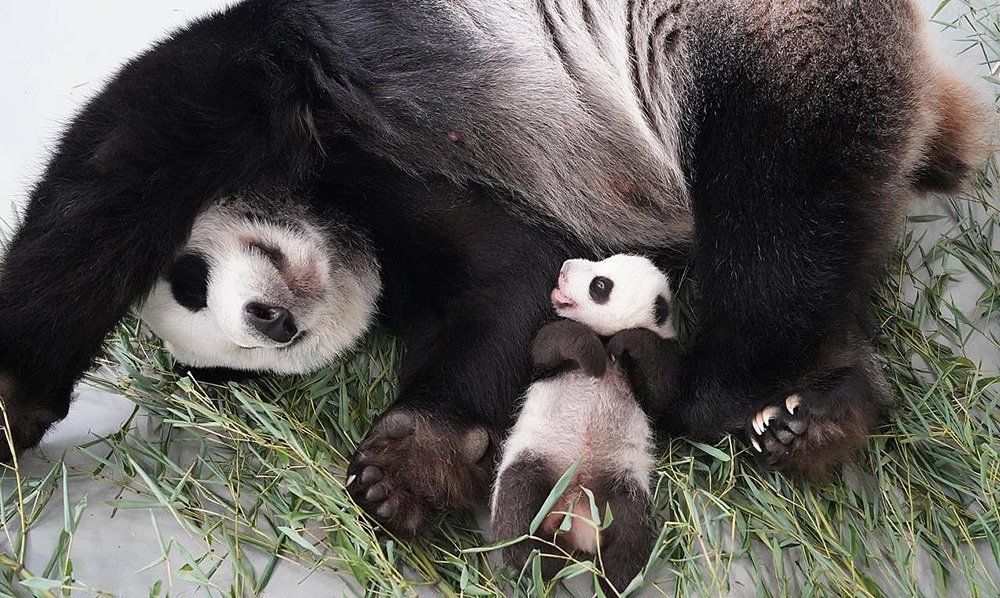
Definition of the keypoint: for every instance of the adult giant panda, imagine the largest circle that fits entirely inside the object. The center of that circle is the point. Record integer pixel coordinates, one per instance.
(781, 138)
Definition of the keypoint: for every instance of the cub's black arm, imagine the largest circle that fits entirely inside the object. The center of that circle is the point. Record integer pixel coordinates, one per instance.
(651, 364)
(568, 345)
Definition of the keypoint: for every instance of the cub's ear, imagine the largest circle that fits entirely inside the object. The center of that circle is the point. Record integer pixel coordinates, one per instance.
(661, 310)
(662, 314)
(567, 345)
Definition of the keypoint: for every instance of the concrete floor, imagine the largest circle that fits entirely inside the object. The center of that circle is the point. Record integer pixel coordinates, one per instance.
(53, 56)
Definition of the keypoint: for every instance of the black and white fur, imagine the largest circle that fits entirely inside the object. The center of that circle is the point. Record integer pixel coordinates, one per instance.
(780, 139)
(265, 290)
(586, 409)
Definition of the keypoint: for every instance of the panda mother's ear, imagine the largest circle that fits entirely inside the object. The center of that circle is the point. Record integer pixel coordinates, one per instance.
(661, 310)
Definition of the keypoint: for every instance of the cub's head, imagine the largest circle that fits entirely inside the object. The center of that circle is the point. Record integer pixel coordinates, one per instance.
(262, 287)
(620, 292)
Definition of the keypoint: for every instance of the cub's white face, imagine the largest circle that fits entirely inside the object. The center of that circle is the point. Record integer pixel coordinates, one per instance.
(263, 292)
(620, 292)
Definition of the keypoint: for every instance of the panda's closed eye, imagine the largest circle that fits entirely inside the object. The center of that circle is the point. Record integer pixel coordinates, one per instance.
(600, 289)
(270, 252)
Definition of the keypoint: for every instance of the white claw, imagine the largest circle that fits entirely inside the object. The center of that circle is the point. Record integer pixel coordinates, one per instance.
(792, 403)
(350, 480)
(768, 415)
(757, 424)
(756, 445)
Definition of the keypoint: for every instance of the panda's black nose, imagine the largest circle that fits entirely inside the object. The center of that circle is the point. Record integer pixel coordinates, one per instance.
(276, 323)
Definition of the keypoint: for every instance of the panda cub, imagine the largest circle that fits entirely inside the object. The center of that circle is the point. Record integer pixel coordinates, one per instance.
(584, 406)
(263, 285)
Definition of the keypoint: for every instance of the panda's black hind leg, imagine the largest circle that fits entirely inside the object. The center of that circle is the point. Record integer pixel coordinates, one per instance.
(521, 490)
(628, 542)
(800, 180)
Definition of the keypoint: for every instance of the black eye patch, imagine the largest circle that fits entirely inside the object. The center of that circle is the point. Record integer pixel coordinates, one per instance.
(600, 289)
(188, 279)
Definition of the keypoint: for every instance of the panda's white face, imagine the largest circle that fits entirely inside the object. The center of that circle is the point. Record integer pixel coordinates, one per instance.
(263, 293)
(620, 292)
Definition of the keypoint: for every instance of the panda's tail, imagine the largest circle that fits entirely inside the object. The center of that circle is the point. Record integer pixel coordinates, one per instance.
(962, 133)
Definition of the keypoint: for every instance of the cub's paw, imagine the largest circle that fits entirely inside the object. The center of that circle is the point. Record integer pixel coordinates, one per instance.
(414, 467)
(651, 364)
(809, 433)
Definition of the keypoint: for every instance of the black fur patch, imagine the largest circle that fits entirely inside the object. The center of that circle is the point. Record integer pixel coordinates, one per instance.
(188, 278)
(662, 310)
(651, 364)
(567, 345)
(600, 289)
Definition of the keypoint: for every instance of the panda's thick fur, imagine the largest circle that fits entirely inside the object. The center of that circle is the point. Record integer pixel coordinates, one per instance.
(584, 408)
(264, 286)
(481, 143)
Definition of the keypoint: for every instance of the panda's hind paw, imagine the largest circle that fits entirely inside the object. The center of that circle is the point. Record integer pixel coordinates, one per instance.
(413, 468)
(804, 434)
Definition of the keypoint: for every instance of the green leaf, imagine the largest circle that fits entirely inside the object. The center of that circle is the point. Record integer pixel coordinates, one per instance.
(294, 536)
(711, 450)
(554, 495)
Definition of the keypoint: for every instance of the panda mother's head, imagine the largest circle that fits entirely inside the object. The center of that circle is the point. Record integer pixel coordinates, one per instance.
(264, 287)
(615, 294)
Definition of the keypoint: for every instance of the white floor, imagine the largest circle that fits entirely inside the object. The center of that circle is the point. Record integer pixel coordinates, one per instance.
(54, 54)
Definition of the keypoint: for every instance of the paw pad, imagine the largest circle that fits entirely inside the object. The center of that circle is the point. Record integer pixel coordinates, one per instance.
(398, 425)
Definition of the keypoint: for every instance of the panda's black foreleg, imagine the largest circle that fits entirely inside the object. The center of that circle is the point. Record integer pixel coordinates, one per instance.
(651, 364)
(796, 192)
(466, 321)
(416, 466)
(215, 109)
(567, 345)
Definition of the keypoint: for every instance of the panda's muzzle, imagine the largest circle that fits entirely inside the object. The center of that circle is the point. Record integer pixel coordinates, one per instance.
(275, 323)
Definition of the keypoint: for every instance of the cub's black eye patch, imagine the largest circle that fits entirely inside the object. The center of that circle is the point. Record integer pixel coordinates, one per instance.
(600, 289)
(188, 279)
(270, 252)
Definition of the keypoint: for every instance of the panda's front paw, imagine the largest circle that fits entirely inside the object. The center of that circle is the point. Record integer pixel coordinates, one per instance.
(413, 468)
